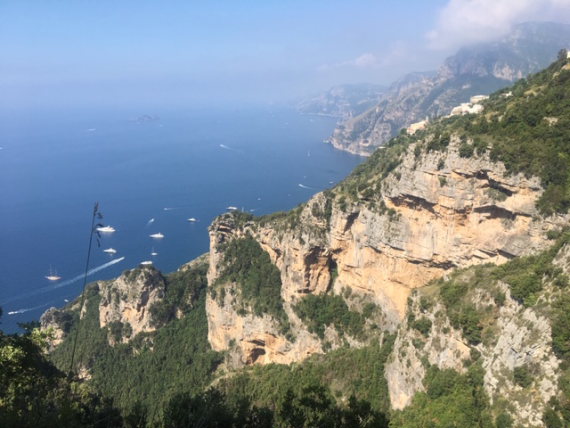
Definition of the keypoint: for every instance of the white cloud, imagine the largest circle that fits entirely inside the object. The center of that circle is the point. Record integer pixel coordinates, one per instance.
(395, 53)
(366, 60)
(468, 21)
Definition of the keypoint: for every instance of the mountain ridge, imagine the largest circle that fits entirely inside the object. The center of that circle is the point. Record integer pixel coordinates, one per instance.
(475, 70)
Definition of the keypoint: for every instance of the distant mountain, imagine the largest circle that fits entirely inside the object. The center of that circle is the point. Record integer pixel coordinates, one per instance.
(343, 101)
(478, 69)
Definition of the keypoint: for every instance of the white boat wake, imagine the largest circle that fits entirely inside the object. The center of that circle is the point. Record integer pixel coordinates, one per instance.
(78, 277)
(151, 221)
(231, 149)
(64, 283)
(24, 310)
(302, 186)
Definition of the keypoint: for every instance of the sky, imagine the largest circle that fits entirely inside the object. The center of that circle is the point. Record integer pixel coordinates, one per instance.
(85, 53)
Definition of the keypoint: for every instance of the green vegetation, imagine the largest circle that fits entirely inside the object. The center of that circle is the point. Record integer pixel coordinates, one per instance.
(527, 127)
(151, 369)
(525, 276)
(346, 372)
(497, 194)
(282, 220)
(364, 182)
(523, 376)
(322, 310)
(36, 394)
(461, 312)
(423, 324)
(529, 131)
(312, 407)
(259, 280)
(451, 400)
(182, 291)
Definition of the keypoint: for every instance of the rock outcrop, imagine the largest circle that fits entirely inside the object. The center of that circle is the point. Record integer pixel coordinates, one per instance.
(442, 212)
(516, 337)
(57, 323)
(127, 300)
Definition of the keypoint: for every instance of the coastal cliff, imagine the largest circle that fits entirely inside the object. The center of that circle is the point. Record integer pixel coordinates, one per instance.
(435, 274)
(439, 213)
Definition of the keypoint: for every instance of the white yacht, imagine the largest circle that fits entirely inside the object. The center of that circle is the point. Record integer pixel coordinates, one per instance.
(106, 229)
(52, 275)
(192, 220)
(157, 235)
(146, 263)
(110, 251)
(232, 208)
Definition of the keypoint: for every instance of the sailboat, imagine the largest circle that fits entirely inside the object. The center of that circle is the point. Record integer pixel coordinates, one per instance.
(52, 276)
(153, 253)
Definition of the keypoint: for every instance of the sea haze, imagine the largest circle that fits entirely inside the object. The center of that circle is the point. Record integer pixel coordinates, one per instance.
(183, 164)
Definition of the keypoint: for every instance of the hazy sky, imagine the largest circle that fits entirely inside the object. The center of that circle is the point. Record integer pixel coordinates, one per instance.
(76, 53)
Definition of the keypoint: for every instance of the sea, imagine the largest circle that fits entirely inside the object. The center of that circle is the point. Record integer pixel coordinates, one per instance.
(150, 172)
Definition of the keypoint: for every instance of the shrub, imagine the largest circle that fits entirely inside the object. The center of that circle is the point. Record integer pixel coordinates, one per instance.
(259, 280)
(504, 420)
(320, 311)
(423, 325)
(466, 150)
(522, 376)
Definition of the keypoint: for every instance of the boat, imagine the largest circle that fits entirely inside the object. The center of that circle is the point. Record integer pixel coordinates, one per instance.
(106, 229)
(146, 263)
(153, 253)
(232, 208)
(52, 276)
(110, 251)
(157, 235)
(192, 220)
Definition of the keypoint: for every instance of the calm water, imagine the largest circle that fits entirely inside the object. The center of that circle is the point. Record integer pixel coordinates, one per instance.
(189, 163)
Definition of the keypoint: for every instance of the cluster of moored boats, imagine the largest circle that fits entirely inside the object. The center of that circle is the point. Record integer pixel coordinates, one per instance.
(53, 276)
(111, 229)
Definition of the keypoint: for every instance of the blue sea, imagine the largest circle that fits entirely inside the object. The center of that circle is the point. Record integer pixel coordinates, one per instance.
(148, 176)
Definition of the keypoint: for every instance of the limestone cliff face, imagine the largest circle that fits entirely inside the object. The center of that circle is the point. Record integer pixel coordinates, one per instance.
(517, 337)
(248, 338)
(57, 322)
(124, 301)
(128, 299)
(443, 212)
